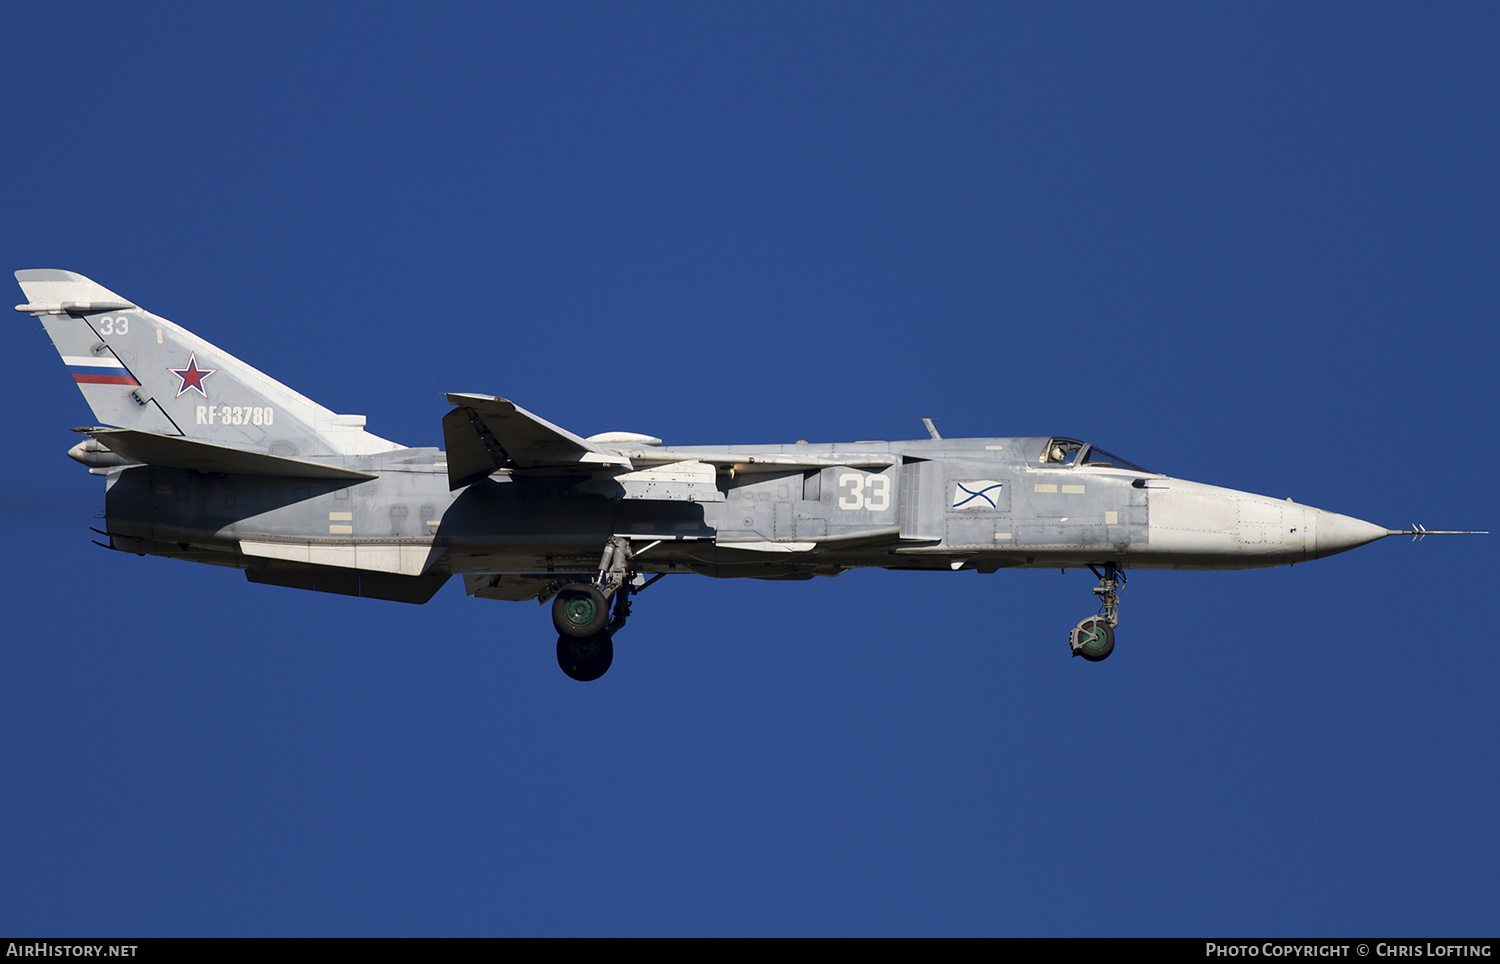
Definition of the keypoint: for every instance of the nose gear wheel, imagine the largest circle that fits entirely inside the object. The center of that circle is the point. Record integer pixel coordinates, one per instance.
(1094, 636)
(1093, 639)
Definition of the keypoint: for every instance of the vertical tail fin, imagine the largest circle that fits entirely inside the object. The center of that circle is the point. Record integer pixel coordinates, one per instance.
(142, 372)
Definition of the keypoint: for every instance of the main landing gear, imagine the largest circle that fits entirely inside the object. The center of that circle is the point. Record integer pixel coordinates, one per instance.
(1094, 638)
(582, 612)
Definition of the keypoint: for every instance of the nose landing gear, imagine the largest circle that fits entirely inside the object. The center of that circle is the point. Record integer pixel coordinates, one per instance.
(1094, 637)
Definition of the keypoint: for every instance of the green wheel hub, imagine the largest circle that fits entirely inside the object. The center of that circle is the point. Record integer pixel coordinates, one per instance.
(1093, 639)
(580, 610)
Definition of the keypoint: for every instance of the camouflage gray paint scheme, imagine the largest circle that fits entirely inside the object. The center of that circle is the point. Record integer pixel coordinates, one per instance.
(208, 460)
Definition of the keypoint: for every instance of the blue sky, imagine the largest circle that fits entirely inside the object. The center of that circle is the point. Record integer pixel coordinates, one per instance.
(1248, 244)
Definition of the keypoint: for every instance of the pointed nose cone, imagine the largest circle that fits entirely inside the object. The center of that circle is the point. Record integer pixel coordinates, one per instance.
(1336, 533)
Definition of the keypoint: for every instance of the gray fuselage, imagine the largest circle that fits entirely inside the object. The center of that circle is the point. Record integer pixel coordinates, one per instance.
(982, 504)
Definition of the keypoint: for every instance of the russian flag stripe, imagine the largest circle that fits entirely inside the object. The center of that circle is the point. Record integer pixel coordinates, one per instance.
(92, 361)
(113, 373)
(105, 380)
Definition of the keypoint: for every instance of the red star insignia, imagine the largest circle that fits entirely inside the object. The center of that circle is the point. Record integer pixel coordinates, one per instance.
(192, 376)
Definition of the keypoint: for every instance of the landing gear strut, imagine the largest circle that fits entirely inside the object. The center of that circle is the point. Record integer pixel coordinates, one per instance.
(1094, 638)
(582, 612)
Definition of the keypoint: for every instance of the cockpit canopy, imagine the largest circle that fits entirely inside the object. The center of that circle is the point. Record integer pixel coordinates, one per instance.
(1068, 451)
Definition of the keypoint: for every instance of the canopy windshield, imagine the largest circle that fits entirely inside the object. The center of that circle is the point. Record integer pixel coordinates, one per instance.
(1067, 451)
(1093, 455)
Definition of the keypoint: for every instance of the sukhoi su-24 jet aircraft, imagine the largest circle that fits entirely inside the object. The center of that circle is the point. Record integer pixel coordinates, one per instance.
(207, 459)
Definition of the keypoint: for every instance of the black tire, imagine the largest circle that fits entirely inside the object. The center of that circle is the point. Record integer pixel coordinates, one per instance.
(580, 611)
(585, 659)
(1093, 639)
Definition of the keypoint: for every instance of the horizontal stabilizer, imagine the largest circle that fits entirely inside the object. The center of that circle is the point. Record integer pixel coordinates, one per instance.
(176, 452)
(485, 433)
